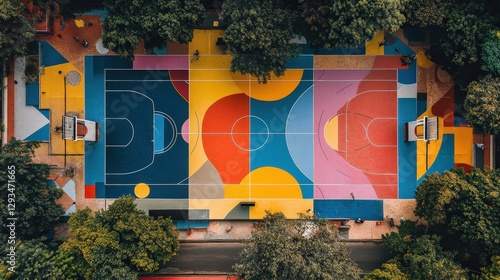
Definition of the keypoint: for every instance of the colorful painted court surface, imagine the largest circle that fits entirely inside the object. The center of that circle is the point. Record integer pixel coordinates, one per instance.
(185, 134)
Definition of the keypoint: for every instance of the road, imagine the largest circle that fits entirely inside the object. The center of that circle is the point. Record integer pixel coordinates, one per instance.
(219, 257)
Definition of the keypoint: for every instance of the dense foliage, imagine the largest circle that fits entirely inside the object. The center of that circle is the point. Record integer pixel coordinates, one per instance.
(332, 24)
(482, 105)
(307, 248)
(16, 31)
(461, 233)
(156, 22)
(37, 259)
(26, 193)
(418, 256)
(258, 36)
(120, 242)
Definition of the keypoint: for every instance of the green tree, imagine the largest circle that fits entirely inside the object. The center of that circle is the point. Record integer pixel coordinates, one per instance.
(492, 272)
(120, 242)
(463, 210)
(389, 271)
(464, 31)
(70, 9)
(36, 259)
(418, 256)
(16, 31)
(154, 21)
(490, 54)
(258, 36)
(482, 105)
(332, 24)
(426, 13)
(26, 193)
(307, 248)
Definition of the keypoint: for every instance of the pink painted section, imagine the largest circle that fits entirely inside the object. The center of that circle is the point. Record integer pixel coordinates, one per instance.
(336, 178)
(161, 62)
(185, 131)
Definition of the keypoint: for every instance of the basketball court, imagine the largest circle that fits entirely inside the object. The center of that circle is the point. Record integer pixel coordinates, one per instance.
(185, 133)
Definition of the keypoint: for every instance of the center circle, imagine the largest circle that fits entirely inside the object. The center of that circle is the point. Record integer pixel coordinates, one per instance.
(250, 133)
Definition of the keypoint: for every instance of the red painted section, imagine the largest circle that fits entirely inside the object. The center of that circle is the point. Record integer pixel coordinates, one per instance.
(444, 108)
(89, 191)
(226, 138)
(180, 79)
(388, 62)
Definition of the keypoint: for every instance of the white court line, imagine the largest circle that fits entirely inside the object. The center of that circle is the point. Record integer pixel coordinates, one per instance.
(347, 136)
(152, 140)
(133, 132)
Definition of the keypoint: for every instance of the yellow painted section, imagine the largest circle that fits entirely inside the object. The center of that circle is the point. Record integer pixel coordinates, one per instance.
(56, 95)
(272, 182)
(373, 47)
(276, 88)
(423, 61)
(433, 147)
(219, 208)
(204, 40)
(141, 190)
(290, 207)
(237, 191)
(332, 133)
(463, 143)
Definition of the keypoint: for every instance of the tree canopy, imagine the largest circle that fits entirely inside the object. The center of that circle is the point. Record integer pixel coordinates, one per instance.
(333, 24)
(258, 36)
(459, 230)
(156, 22)
(120, 242)
(24, 185)
(307, 248)
(418, 256)
(16, 31)
(482, 105)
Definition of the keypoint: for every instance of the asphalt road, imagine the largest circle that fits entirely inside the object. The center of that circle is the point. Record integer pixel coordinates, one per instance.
(218, 257)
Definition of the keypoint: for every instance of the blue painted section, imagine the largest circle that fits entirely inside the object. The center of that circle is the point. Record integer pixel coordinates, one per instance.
(408, 76)
(300, 62)
(33, 94)
(445, 159)
(276, 115)
(94, 110)
(100, 189)
(191, 224)
(421, 107)
(353, 209)
(40, 135)
(162, 51)
(398, 48)
(45, 112)
(179, 191)
(50, 56)
(159, 133)
(407, 155)
(96, 12)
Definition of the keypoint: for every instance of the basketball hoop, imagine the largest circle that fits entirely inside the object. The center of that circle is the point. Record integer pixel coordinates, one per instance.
(425, 129)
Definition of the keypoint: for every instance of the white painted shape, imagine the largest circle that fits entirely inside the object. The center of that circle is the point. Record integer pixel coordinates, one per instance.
(69, 188)
(27, 119)
(407, 91)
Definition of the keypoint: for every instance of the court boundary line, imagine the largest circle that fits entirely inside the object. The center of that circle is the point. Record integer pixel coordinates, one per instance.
(174, 129)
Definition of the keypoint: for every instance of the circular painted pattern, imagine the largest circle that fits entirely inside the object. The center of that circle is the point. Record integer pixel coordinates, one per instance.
(141, 190)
